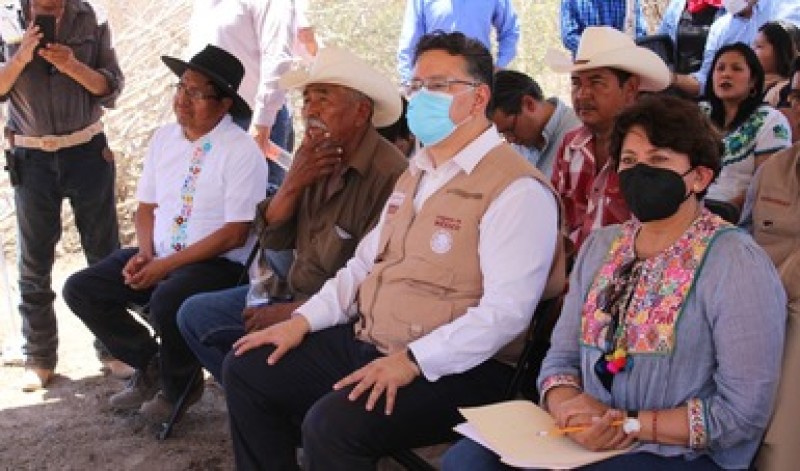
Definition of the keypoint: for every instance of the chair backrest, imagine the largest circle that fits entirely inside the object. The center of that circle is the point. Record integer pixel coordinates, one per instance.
(662, 45)
(723, 209)
(523, 382)
(690, 45)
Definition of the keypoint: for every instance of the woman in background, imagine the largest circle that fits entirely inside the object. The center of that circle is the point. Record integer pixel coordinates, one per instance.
(752, 131)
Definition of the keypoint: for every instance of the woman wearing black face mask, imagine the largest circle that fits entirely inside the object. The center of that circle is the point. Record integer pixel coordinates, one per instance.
(675, 318)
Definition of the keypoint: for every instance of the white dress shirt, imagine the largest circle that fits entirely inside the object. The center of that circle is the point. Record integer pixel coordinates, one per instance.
(517, 240)
(260, 34)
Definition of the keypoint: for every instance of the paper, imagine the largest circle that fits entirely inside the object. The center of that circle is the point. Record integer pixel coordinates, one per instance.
(511, 429)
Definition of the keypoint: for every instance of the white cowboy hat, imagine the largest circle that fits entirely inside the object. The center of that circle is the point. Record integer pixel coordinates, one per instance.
(603, 46)
(338, 66)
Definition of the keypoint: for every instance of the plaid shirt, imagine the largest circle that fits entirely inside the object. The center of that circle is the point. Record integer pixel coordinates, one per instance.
(576, 15)
(591, 196)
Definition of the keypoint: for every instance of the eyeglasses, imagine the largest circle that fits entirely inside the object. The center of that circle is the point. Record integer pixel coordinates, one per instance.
(434, 84)
(193, 93)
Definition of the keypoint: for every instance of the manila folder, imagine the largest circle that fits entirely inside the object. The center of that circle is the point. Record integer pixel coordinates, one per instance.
(511, 429)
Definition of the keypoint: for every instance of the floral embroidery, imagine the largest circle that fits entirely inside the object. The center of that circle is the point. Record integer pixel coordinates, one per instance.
(180, 222)
(741, 142)
(780, 132)
(657, 300)
(698, 436)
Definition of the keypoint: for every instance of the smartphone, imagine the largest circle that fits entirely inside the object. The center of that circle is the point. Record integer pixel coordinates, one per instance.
(47, 26)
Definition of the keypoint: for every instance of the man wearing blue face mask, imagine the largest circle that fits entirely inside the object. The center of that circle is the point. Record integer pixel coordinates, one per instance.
(427, 315)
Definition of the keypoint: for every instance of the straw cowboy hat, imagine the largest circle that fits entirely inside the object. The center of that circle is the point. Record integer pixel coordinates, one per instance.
(222, 68)
(338, 66)
(602, 46)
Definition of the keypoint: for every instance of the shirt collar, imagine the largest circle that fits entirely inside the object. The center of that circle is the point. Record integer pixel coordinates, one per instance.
(224, 122)
(362, 157)
(581, 138)
(554, 123)
(466, 159)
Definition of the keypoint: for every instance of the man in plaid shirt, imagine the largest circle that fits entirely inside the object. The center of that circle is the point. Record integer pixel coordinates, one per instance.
(607, 74)
(577, 15)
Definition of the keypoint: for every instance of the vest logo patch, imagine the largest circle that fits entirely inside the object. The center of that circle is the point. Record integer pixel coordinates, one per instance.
(394, 202)
(442, 241)
(446, 222)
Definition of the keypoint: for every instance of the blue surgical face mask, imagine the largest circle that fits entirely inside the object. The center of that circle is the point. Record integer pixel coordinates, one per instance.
(429, 116)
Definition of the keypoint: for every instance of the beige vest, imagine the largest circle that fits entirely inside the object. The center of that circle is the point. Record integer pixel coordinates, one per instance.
(776, 227)
(427, 270)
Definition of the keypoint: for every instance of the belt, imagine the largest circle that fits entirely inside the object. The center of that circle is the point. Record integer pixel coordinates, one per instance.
(54, 143)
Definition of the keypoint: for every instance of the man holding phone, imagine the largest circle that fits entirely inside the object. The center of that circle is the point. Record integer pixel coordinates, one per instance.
(57, 80)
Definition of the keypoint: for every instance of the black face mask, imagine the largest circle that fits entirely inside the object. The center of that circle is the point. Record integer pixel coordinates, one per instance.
(653, 193)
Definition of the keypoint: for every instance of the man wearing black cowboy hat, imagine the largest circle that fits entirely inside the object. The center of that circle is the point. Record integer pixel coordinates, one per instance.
(200, 184)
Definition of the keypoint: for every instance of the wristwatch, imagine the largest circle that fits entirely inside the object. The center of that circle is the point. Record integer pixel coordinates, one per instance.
(631, 423)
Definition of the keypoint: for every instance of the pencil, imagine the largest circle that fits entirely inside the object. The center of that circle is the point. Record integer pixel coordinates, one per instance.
(575, 429)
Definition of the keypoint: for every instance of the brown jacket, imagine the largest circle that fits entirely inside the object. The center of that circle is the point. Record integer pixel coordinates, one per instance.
(775, 199)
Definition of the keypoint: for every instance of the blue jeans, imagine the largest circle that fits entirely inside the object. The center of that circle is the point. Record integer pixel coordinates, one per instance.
(210, 323)
(467, 454)
(83, 176)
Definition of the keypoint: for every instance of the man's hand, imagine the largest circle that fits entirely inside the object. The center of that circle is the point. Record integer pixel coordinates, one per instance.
(285, 336)
(383, 375)
(30, 39)
(261, 136)
(59, 55)
(149, 274)
(261, 317)
(133, 266)
(317, 157)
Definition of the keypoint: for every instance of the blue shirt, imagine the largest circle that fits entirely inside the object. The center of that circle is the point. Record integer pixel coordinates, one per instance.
(729, 29)
(561, 122)
(474, 18)
(576, 15)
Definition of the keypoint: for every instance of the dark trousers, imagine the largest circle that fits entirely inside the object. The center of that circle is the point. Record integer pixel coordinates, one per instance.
(98, 296)
(271, 407)
(83, 176)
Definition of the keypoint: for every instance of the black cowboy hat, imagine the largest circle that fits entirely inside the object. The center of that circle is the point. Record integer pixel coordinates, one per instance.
(222, 68)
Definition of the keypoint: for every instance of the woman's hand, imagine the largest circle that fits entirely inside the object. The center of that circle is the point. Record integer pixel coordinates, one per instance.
(581, 409)
(604, 434)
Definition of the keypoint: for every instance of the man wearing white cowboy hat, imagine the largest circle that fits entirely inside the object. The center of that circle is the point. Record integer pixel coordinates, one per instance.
(421, 320)
(333, 194)
(607, 74)
(200, 184)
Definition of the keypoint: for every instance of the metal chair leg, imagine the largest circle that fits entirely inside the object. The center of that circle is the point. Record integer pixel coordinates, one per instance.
(178, 408)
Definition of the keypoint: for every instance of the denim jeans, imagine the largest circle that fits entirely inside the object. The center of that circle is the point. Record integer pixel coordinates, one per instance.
(210, 323)
(83, 176)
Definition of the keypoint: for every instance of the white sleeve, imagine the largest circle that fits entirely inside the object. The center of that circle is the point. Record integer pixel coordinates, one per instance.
(245, 180)
(274, 24)
(146, 188)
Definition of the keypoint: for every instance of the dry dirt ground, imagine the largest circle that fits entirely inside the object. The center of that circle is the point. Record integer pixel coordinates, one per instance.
(70, 427)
